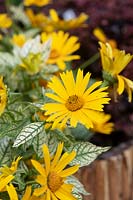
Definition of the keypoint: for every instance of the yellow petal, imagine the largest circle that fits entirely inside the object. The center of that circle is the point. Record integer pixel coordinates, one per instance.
(69, 171)
(120, 88)
(12, 192)
(39, 168)
(57, 155)
(4, 182)
(46, 155)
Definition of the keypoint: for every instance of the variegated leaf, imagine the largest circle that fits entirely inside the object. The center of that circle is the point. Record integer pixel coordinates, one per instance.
(28, 133)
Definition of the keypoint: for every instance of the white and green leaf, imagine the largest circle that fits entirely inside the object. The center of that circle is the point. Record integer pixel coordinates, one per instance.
(5, 151)
(28, 133)
(38, 142)
(86, 152)
(78, 186)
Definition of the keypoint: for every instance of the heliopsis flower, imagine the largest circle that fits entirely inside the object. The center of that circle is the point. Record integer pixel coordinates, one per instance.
(53, 22)
(7, 174)
(27, 195)
(103, 125)
(52, 175)
(33, 55)
(100, 35)
(74, 101)
(60, 24)
(38, 20)
(62, 48)
(19, 39)
(113, 62)
(5, 21)
(3, 96)
(36, 2)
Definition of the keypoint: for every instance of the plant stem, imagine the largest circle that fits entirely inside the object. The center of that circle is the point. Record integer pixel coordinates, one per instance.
(90, 61)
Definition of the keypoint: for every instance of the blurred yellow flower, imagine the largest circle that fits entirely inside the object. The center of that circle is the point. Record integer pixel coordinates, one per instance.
(53, 174)
(36, 2)
(3, 96)
(103, 125)
(74, 101)
(60, 24)
(100, 35)
(113, 62)
(19, 39)
(62, 48)
(5, 21)
(38, 20)
(53, 22)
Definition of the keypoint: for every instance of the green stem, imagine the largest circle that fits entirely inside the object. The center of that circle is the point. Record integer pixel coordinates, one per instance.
(105, 83)
(90, 61)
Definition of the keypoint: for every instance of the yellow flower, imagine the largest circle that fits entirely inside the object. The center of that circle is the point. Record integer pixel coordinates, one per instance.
(98, 33)
(38, 20)
(19, 39)
(6, 174)
(36, 2)
(103, 125)
(5, 21)
(3, 96)
(113, 62)
(27, 195)
(60, 24)
(62, 48)
(53, 174)
(53, 22)
(74, 101)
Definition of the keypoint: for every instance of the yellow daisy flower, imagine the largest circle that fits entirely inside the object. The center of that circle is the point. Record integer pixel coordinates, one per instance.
(36, 2)
(113, 62)
(60, 24)
(74, 101)
(39, 20)
(3, 96)
(103, 125)
(5, 21)
(53, 22)
(62, 48)
(6, 174)
(19, 39)
(100, 35)
(53, 174)
(27, 195)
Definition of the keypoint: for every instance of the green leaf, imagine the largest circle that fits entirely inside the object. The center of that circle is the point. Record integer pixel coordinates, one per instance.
(78, 186)
(86, 152)
(5, 151)
(38, 142)
(28, 133)
(52, 141)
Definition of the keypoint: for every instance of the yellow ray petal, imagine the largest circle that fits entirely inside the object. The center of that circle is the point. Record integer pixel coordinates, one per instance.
(6, 181)
(39, 168)
(57, 155)
(12, 192)
(69, 171)
(46, 155)
(120, 88)
(27, 193)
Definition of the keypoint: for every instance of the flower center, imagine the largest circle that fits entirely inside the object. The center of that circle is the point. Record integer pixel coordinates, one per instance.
(74, 103)
(54, 54)
(54, 181)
